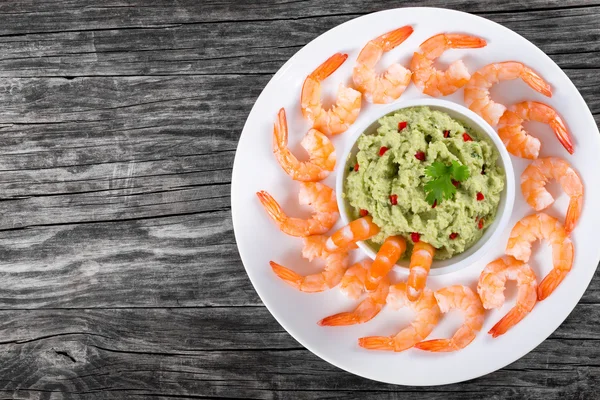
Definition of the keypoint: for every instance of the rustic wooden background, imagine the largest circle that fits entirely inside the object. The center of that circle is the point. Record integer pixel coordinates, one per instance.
(119, 272)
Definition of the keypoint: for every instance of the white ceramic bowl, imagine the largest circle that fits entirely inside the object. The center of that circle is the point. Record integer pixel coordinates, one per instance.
(491, 235)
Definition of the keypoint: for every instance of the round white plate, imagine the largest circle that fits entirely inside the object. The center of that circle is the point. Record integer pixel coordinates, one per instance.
(260, 241)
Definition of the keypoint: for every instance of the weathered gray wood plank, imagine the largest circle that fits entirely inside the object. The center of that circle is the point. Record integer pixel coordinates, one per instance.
(222, 352)
(249, 47)
(180, 261)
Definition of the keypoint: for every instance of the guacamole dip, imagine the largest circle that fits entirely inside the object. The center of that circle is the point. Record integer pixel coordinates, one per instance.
(387, 180)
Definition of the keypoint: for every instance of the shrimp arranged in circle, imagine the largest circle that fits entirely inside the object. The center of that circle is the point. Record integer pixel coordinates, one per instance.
(353, 286)
(319, 196)
(520, 143)
(462, 298)
(543, 226)
(357, 230)
(392, 83)
(420, 262)
(477, 91)
(391, 250)
(428, 316)
(318, 146)
(536, 176)
(335, 267)
(432, 81)
(346, 109)
(491, 286)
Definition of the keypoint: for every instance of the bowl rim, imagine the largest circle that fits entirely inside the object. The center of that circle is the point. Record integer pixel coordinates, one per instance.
(503, 213)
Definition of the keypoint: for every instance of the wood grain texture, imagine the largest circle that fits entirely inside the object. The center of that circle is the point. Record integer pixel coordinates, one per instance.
(120, 275)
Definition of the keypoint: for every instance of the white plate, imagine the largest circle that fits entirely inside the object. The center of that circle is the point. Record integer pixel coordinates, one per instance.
(259, 241)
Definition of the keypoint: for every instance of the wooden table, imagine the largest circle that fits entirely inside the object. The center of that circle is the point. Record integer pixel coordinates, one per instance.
(120, 276)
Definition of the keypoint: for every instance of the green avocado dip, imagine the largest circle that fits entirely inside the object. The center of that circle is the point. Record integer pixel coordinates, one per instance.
(388, 180)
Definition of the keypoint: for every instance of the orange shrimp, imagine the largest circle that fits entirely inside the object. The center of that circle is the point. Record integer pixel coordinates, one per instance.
(357, 230)
(543, 226)
(432, 81)
(347, 106)
(318, 195)
(462, 298)
(517, 141)
(335, 266)
(420, 262)
(477, 91)
(353, 286)
(491, 290)
(318, 146)
(391, 250)
(428, 316)
(536, 176)
(392, 83)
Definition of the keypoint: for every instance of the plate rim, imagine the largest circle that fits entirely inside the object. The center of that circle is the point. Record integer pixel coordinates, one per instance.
(557, 322)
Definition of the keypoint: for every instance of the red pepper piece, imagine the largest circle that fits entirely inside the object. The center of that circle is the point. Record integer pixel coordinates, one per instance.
(420, 155)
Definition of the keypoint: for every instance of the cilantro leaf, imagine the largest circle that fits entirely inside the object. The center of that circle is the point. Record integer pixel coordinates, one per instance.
(459, 172)
(440, 186)
(436, 169)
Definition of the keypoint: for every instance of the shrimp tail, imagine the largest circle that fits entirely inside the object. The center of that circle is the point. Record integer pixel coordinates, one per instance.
(287, 275)
(513, 317)
(341, 319)
(550, 282)
(559, 128)
(329, 66)
(271, 207)
(458, 41)
(536, 82)
(280, 132)
(377, 343)
(437, 345)
(573, 213)
(390, 40)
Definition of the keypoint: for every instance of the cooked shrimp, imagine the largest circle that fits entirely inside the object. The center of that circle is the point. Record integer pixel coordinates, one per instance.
(462, 298)
(347, 106)
(420, 262)
(319, 196)
(491, 290)
(432, 81)
(536, 176)
(477, 91)
(390, 251)
(357, 230)
(543, 226)
(335, 266)
(318, 146)
(517, 141)
(353, 285)
(428, 315)
(393, 82)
